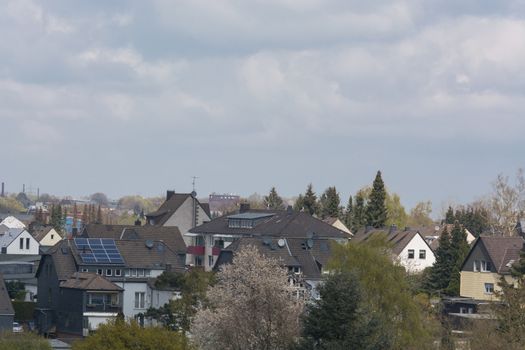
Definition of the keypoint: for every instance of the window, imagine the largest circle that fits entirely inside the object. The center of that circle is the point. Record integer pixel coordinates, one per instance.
(199, 240)
(21, 243)
(99, 272)
(133, 272)
(140, 272)
(147, 273)
(139, 300)
(489, 288)
(109, 272)
(118, 272)
(52, 236)
(210, 260)
(84, 270)
(422, 254)
(485, 266)
(126, 272)
(198, 261)
(27, 243)
(475, 266)
(411, 253)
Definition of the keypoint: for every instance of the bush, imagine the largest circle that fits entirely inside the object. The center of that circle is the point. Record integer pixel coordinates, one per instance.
(25, 341)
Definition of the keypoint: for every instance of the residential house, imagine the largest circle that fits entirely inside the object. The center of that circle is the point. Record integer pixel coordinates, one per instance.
(12, 222)
(131, 264)
(18, 241)
(337, 223)
(21, 268)
(7, 313)
(86, 301)
(433, 233)
(221, 204)
(46, 236)
(489, 259)
(210, 238)
(408, 247)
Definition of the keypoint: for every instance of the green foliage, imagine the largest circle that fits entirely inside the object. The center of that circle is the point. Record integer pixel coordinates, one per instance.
(330, 203)
(25, 341)
(376, 212)
(349, 213)
(439, 276)
(57, 220)
(459, 250)
(340, 319)
(299, 202)
(10, 205)
(396, 212)
(359, 216)
(474, 218)
(273, 200)
(120, 335)
(449, 216)
(385, 290)
(420, 214)
(24, 310)
(309, 201)
(16, 290)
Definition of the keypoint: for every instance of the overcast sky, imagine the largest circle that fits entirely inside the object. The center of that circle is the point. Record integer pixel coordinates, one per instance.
(128, 97)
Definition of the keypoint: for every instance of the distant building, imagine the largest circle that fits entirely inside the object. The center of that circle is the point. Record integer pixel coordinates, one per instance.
(221, 204)
(7, 313)
(433, 233)
(18, 241)
(12, 222)
(46, 236)
(337, 223)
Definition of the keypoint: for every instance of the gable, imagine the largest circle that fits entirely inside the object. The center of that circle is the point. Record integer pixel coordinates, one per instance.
(477, 252)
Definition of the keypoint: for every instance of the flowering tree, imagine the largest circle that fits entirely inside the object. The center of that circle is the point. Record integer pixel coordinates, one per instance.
(250, 307)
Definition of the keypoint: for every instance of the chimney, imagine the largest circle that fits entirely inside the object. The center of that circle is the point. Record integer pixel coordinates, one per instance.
(393, 229)
(3, 193)
(138, 223)
(244, 208)
(169, 194)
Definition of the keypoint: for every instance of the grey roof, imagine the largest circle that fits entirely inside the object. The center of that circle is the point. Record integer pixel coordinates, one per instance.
(9, 236)
(41, 232)
(502, 251)
(398, 239)
(281, 224)
(89, 281)
(251, 215)
(170, 206)
(6, 308)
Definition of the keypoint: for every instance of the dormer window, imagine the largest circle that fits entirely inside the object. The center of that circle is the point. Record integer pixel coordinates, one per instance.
(247, 220)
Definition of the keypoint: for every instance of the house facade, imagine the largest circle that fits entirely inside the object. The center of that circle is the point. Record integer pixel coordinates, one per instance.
(7, 313)
(46, 236)
(18, 241)
(489, 260)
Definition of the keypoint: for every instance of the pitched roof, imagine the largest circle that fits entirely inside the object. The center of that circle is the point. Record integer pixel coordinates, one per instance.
(398, 239)
(63, 259)
(41, 232)
(9, 236)
(503, 251)
(13, 222)
(281, 224)
(136, 254)
(170, 206)
(170, 235)
(89, 281)
(6, 307)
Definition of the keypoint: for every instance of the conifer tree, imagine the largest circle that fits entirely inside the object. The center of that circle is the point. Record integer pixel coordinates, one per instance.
(349, 213)
(75, 217)
(310, 204)
(330, 203)
(359, 217)
(459, 250)
(273, 200)
(85, 215)
(99, 215)
(449, 216)
(376, 213)
(439, 276)
(299, 203)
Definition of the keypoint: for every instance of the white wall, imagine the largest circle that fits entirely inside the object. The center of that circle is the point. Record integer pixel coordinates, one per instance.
(416, 264)
(128, 304)
(183, 217)
(14, 247)
(51, 238)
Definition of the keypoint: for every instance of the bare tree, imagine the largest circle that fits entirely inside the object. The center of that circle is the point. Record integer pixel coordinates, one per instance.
(507, 202)
(250, 307)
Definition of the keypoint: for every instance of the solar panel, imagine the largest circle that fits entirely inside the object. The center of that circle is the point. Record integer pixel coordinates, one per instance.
(97, 250)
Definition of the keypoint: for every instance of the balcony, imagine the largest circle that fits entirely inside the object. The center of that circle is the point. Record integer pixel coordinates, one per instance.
(215, 251)
(103, 308)
(195, 250)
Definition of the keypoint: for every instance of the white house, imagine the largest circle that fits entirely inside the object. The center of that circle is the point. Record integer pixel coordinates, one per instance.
(12, 222)
(18, 241)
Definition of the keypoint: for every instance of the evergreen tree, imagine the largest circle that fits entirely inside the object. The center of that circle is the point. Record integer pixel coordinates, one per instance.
(99, 215)
(299, 203)
(376, 213)
(330, 203)
(439, 276)
(273, 200)
(85, 215)
(449, 216)
(459, 250)
(359, 217)
(340, 320)
(349, 213)
(310, 204)
(75, 217)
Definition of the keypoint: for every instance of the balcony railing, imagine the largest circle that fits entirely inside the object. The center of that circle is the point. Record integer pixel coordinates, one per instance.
(215, 251)
(103, 308)
(195, 250)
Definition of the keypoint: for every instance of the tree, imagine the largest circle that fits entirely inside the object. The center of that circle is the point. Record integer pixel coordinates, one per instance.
(10, 205)
(359, 217)
(120, 335)
(439, 276)
(507, 202)
(99, 215)
(385, 290)
(100, 199)
(330, 203)
(376, 213)
(340, 319)
(299, 203)
(420, 214)
(449, 216)
(349, 213)
(459, 249)
(250, 307)
(29, 341)
(57, 220)
(75, 215)
(396, 212)
(309, 201)
(85, 215)
(273, 200)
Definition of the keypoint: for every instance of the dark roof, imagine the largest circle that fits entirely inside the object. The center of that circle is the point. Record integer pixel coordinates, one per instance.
(136, 254)
(6, 308)
(398, 239)
(63, 260)
(41, 232)
(170, 235)
(282, 224)
(502, 251)
(206, 208)
(89, 281)
(170, 206)
(292, 253)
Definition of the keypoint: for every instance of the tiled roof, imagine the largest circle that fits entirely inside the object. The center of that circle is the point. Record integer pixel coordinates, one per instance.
(6, 308)
(398, 239)
(63, 259)
(503, 251)
(136, 254)
(13, 222)
(282, 224)
(89, 281)
(9, 236)
(170, 206)
(40, 233)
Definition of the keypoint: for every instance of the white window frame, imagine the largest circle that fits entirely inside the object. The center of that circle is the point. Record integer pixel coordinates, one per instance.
(118, 272)
(490, 289)
(476, 265)
(411, 252)
(424, 254)
(485, 266)
(140, 302)
(110, 272)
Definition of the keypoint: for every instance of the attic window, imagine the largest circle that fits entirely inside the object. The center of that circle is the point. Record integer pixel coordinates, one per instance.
(247, 220)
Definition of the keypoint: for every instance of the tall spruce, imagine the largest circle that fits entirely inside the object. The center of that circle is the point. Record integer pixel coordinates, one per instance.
(359, 217)
(330, 203)
(459, 250)
(449, 216)
(439, 277)
(273, 200)
(310, 204)
(75, 216)
(349, 213)
(376, 212)
(299, 203)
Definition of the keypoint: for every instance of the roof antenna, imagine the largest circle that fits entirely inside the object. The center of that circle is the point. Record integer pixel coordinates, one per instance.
(193, 184)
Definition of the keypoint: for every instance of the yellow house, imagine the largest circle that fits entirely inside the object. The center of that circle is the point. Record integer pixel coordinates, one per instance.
(335, 222)
(489, 259)
(47, 236)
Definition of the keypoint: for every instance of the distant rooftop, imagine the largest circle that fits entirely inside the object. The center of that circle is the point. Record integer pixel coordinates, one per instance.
(250, 216)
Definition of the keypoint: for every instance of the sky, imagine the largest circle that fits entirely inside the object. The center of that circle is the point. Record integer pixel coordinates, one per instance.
(136, 97)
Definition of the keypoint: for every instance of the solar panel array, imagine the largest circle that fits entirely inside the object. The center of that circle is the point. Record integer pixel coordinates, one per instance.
(98, 250)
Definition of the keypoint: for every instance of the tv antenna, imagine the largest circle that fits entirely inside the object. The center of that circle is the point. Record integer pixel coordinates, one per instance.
(193, 182)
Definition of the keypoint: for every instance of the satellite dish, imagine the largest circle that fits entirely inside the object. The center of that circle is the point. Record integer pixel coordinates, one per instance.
(149, 243)
(310, 243)
(309, 235)
(194, 194)
(281, 242)
(436, 228)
